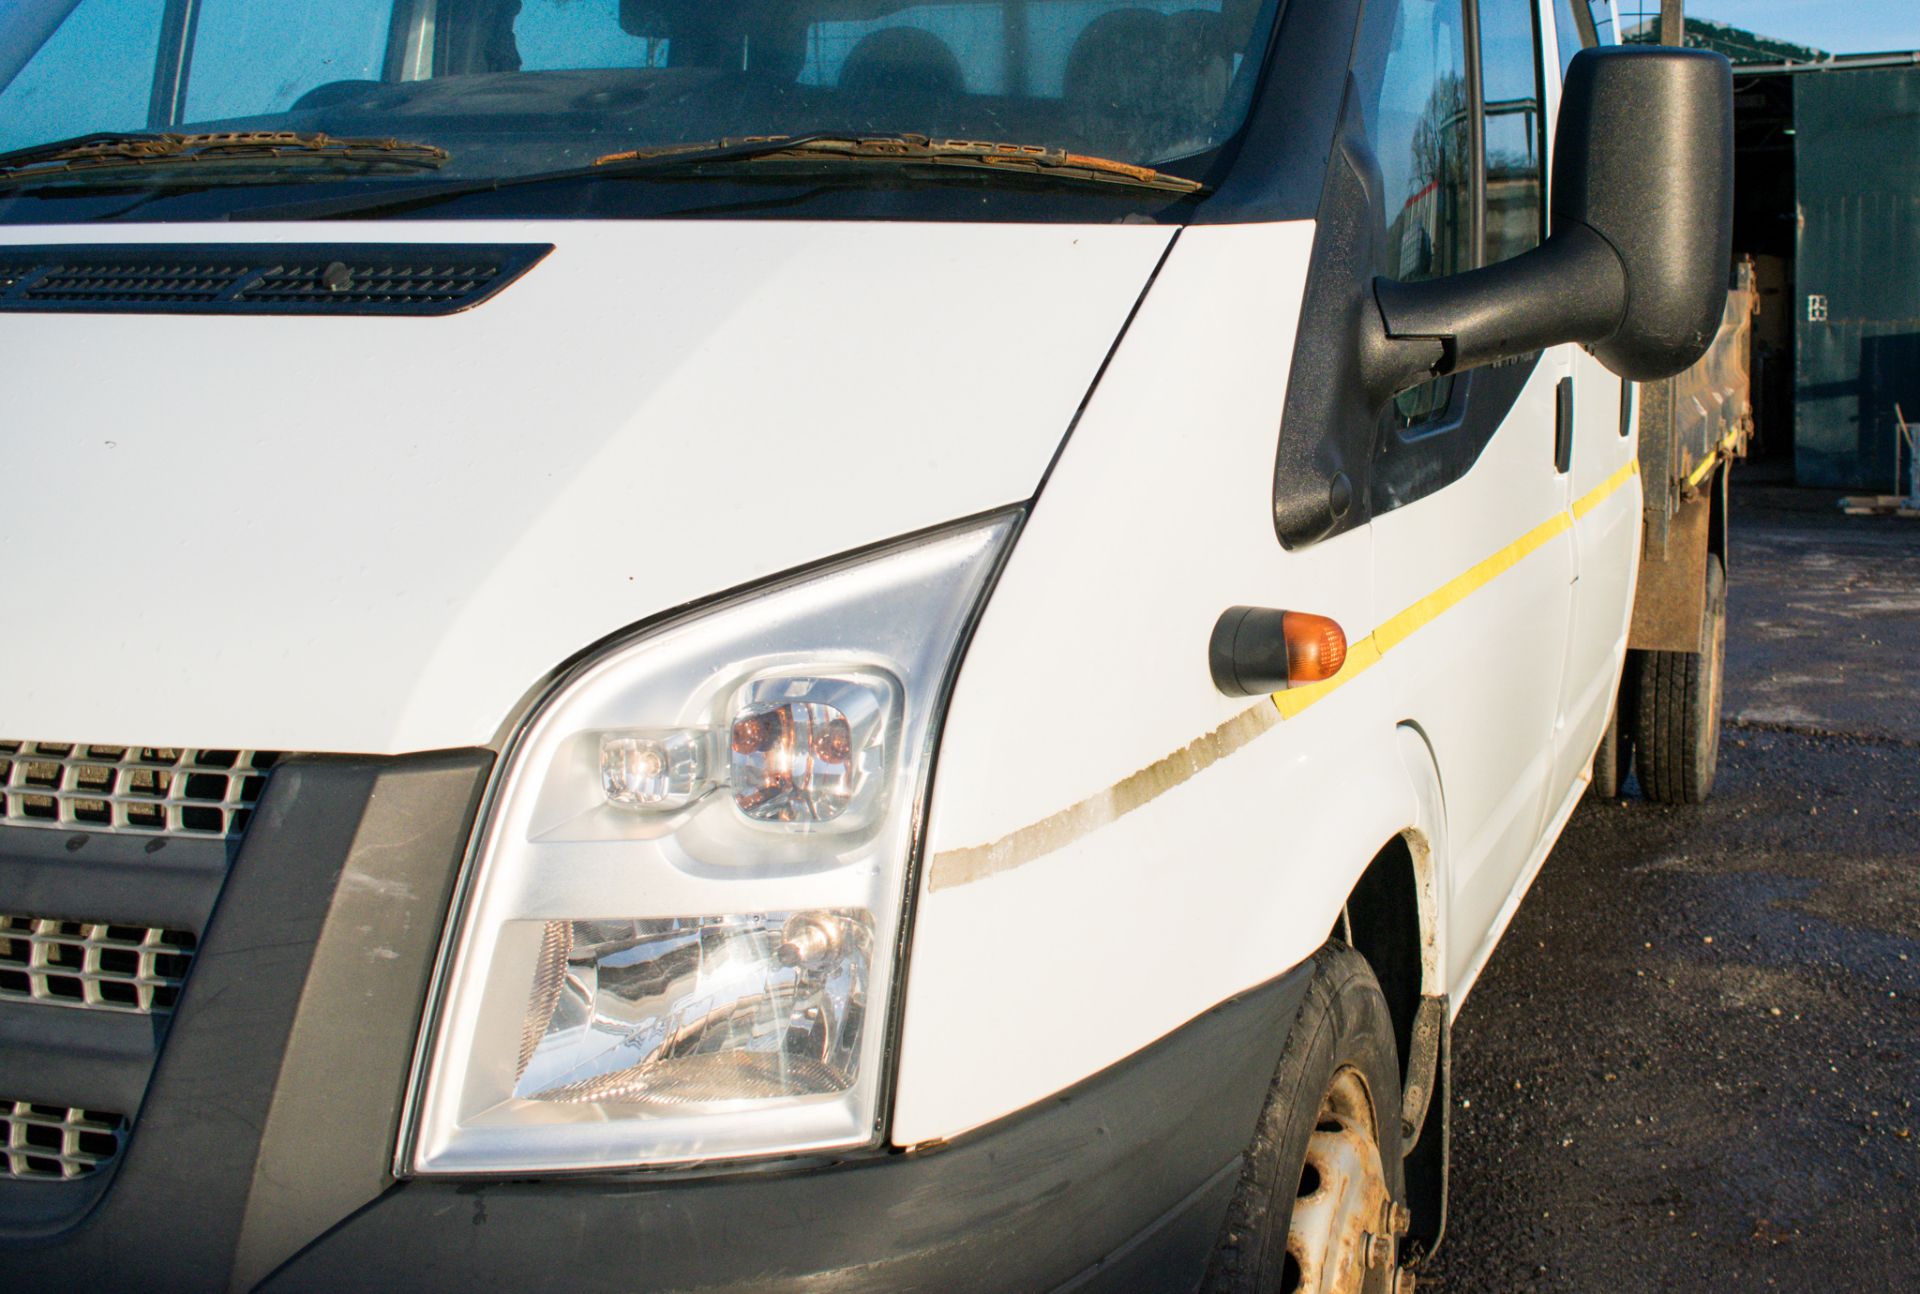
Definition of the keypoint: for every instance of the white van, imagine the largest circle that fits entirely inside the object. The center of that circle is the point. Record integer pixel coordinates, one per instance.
(799, 644)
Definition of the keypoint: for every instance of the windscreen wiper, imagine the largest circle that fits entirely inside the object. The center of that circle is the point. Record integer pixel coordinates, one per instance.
(1011, 159)
(86, 154)
(1028, 158)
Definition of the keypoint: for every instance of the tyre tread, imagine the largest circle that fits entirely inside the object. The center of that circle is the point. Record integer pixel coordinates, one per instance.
(1675, 744)
(1342, 997)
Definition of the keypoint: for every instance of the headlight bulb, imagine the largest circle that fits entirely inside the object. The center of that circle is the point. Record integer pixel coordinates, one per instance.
(659, 770)
(805, 751)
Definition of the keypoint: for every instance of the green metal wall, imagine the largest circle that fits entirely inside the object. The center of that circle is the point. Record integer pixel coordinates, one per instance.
(1857, 137)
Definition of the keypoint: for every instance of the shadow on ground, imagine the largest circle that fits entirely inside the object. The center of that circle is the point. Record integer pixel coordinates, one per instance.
(1693, 1062)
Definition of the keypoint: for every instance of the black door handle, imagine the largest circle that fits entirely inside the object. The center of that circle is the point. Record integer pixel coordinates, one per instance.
(1563, 427)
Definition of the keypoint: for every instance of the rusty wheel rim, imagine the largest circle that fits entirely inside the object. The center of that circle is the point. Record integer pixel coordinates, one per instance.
(1340, 1240)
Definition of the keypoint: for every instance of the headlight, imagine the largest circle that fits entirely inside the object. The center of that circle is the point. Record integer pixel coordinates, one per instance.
(678, 939)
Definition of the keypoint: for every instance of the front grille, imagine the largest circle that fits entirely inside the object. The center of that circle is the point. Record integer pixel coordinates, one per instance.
(57, 1143)
(340, 283)
(108, 283)
(328, 279)
(88, 964)
(111, 861)
(142, 790)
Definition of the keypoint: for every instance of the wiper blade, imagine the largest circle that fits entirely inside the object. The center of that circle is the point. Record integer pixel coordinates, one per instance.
(427, 195)
(642, 163)
(88, 153)
(913, 148)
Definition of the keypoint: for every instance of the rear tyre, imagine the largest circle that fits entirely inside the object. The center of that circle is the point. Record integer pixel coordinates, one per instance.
(1321, 1201)
(1677, 725)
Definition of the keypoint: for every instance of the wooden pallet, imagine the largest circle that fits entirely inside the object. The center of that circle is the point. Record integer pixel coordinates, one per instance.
(1879, 505)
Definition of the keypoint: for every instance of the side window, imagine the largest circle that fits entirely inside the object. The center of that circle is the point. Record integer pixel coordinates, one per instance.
(1602, 11)
(253, 59)
(1514, 127)
(1413, 86)
(94, 73)
(555, 34)
(1573, 29)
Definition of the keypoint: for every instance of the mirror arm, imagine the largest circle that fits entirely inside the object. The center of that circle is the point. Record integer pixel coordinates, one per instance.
(1571, 288)
(1390, 364)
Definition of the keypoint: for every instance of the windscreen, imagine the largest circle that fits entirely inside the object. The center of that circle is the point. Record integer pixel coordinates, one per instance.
(513, 86)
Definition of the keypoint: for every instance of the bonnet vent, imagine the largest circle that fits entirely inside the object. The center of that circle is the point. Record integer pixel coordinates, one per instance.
(274, 278)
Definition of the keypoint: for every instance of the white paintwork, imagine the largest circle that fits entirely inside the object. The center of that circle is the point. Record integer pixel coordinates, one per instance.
(1471, 739)
(1426, 837)
(1089, 665)
(1484, 683)
(376, 535)
(1476, 960)
(1606, 539)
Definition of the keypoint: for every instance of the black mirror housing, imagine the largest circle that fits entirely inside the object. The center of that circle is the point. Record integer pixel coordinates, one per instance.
(1636, 265)
(1646, 161)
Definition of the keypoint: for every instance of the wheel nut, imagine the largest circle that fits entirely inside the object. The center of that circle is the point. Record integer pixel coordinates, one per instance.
(1379, 1250)
(1403, 1283)
(1399, 1220)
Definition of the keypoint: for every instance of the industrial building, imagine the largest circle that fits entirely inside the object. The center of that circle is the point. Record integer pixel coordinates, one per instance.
(1828, 207)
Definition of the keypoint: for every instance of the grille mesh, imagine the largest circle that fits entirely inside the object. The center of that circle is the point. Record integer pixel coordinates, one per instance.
(324, 283)
(108, 283)
(371, 284)
(57, 1143)
(91, 964)
(141, 790)
(289, 278)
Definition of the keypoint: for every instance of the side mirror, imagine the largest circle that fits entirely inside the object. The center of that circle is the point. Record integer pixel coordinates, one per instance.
(1636, 266)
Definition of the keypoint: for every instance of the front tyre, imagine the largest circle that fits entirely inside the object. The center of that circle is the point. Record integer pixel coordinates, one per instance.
(1321, 1201)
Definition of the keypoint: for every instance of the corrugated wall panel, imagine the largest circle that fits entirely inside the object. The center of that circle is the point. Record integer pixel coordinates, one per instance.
(1858, 162)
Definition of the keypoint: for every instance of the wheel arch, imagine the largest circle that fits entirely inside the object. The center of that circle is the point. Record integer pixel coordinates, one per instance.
(1413, 862)
(1395, 917)
(1394, 914)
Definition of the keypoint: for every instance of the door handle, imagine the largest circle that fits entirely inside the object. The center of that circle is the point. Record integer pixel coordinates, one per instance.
(1563, 426)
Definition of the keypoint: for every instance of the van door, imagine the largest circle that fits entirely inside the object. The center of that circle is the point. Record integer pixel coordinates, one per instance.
(1470, 526)
(1606, 496)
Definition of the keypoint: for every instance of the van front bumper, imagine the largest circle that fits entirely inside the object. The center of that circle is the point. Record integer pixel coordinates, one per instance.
(261, 1155)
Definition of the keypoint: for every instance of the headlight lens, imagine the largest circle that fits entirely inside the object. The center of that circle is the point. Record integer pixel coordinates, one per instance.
(678, 939)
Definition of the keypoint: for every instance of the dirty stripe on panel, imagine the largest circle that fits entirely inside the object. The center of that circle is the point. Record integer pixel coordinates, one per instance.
(957, 867)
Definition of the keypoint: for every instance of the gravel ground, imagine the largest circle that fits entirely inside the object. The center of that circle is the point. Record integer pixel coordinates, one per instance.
(1694, 1062)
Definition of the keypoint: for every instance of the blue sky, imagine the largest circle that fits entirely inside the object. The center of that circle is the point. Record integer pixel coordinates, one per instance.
(1837, 26)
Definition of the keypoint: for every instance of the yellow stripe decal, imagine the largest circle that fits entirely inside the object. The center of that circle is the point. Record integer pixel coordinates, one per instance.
(1600, 493)
(1366, 653)
(956, 867)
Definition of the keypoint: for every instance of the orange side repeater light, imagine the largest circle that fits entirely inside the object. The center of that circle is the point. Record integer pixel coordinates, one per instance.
(1257, 649)
(1316, 647)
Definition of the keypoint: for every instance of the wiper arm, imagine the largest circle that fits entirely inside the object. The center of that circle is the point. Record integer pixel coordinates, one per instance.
(641, 163)
(88, 153)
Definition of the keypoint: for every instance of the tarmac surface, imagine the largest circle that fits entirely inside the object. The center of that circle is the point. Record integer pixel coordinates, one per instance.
(1694, 1061)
